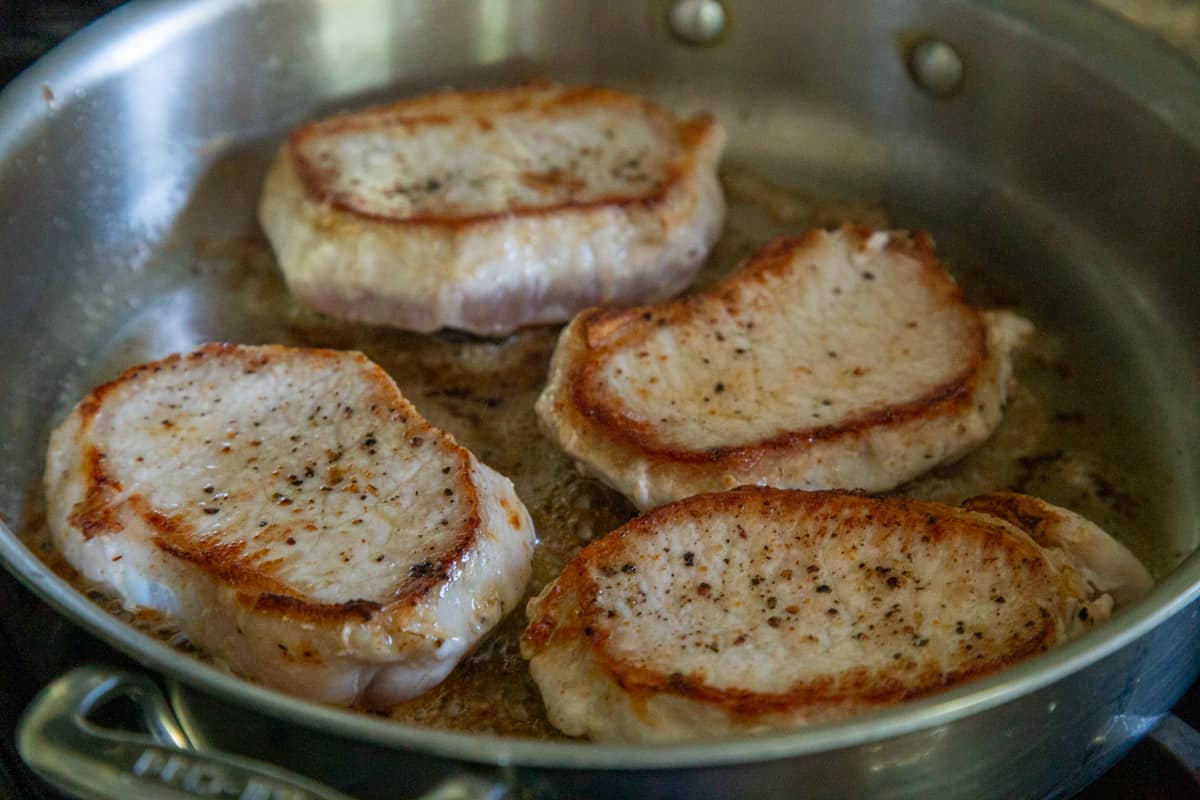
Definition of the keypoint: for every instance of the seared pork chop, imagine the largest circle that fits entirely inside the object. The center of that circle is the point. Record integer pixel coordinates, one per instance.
(841, 360)
(762, 609)
(294, 514)
(492, 210)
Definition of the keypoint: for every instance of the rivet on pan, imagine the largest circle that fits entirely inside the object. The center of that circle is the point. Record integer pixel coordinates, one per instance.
(697, 21)
(936, 67)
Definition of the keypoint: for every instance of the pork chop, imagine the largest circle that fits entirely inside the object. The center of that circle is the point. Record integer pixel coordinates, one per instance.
(492, 210)
(844, 359)
(763, 609)
(294, 514)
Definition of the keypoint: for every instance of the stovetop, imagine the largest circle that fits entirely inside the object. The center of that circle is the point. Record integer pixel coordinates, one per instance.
(37, 644)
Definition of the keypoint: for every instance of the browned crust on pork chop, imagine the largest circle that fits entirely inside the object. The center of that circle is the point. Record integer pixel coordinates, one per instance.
(1025, 512)
(254, 576)
(483, 106)
(569, 612)
(604, 332)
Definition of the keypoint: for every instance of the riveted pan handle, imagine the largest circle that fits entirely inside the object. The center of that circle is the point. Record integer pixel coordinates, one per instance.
(57, 740)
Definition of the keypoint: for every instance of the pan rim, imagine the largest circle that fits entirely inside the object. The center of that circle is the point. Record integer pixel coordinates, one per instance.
(1165, 83)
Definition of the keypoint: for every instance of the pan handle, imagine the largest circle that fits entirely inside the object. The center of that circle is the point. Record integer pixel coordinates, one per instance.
(1181, 740)
(57, 740)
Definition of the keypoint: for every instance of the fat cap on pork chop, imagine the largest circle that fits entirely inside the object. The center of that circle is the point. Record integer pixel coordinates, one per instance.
(843, 359)
(294, 514)
(764, 609)
(496, 209)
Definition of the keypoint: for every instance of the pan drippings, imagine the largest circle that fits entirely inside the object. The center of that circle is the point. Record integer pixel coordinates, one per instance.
(1059, 440)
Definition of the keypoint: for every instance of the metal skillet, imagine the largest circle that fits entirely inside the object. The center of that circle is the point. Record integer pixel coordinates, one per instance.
(1054, 152)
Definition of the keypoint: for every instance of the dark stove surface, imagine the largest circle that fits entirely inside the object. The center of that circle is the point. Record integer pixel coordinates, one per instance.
(28, 28)
(37, 644)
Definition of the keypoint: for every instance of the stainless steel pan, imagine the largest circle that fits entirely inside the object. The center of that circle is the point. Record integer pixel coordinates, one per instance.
(1044, 139)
